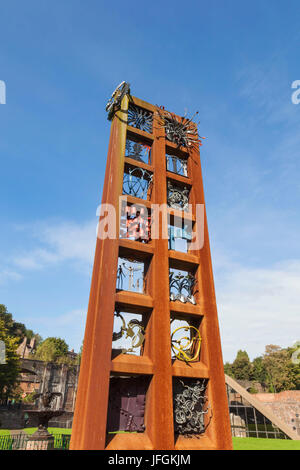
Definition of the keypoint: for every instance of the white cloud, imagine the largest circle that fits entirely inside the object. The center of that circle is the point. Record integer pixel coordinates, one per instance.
(258, 306)
(7, 275)
(57, 243)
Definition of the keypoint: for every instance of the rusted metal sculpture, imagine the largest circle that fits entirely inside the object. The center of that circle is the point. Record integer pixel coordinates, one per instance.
(144, 393)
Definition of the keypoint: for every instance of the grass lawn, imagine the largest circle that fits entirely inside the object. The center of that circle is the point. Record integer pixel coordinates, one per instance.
(6, 432)
(239, 443)
(252, 443)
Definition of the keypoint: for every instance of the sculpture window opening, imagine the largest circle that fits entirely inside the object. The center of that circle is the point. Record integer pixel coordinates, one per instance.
(139, 150)
(140, 118)
(130, 275)
(185, 339)
(137, 182)
(182, 286)
(135, 222)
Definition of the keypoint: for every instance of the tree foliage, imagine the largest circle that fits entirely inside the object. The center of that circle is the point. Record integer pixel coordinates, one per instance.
(274, 369)
(52, 350)
(16, 329)
(10, 370)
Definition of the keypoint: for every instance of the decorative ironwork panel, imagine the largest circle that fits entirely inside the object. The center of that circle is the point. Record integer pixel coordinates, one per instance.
(140, 118)
(130, 333)
(138, 183)
(178, 196)
(130, 275)
(190, 406)
(138, 151)
(126, 407)
(185, 341)
(182, 131)
(182, 286)
(135, 223)
(177, 165)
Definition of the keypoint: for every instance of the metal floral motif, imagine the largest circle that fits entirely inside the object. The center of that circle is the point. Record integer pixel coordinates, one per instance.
(137, 182)
(137, 151)
(177, 165)
(114, 102)
(140, 118)
(128, 272)
(134, 330)
(182, 131)
(182, 287)
(186, 348)
(190, 407)
(178, 197)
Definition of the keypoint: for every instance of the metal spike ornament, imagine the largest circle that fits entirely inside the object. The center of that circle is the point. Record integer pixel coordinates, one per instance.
(182, 131)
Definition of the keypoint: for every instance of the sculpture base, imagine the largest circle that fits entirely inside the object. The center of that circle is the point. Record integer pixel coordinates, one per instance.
(40, 440)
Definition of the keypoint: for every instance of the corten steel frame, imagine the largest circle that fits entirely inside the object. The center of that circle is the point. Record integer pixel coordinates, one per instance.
(90, 418)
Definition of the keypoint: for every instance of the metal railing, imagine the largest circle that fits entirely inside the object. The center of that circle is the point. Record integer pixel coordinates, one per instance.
(19, 441)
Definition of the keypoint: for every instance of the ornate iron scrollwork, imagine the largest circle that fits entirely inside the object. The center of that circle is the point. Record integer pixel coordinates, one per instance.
(137, 182)
(190, 406)
(140, 118)
(114, 102)
(178, 197)
(134, 330)
(186, 348)
(183, 284)
(182, 131)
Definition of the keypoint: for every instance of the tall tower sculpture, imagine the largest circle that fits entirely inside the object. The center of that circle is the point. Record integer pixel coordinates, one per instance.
(151, 374)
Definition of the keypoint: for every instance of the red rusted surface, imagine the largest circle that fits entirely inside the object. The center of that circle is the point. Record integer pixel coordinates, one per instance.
(90, 419)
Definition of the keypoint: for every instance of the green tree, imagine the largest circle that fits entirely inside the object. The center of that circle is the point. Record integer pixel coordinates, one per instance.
(228, 369)
(16, 329)
(294, 356)
(278, 366)
(259, 373)
(241, 366)
(52, 350)
(10, 370)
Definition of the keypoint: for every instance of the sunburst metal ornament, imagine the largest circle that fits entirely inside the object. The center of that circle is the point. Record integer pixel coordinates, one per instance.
(140, 118)
(182, 131)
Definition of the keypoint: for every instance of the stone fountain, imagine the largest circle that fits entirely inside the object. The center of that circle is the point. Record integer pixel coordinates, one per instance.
(42, 439)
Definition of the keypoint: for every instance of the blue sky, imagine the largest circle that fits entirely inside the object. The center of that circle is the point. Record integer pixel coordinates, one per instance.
(232, 61)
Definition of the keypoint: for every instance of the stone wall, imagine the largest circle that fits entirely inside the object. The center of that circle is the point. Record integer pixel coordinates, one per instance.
(40, 377)
(285, 405)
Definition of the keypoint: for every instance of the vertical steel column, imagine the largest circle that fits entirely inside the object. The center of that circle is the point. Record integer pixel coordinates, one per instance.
(89, 427)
